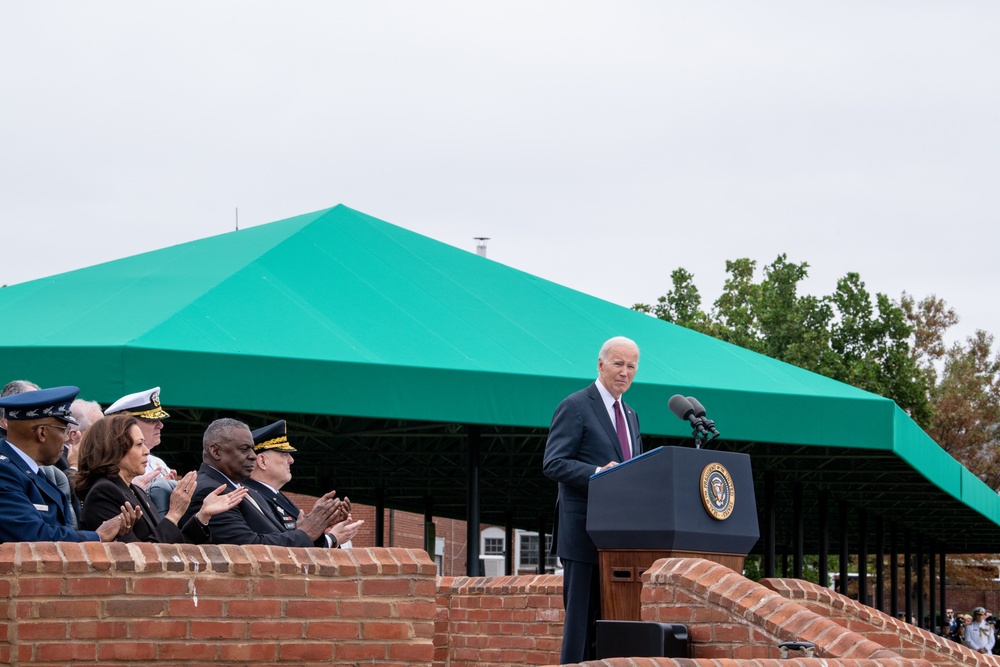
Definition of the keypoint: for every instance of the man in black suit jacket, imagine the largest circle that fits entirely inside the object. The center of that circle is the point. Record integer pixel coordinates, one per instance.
(591, 430)
(228, 458)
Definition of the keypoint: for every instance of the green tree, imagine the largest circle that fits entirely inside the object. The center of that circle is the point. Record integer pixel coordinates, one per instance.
(874, 348)
(681, 304)
(897, 350)
(733, 319)
(849, 335)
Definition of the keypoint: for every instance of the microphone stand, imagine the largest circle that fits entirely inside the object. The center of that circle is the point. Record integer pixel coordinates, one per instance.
(701, 435)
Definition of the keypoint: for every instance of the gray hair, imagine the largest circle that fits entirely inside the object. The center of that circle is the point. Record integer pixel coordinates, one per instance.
(617, 341)
(219, 430)
(18, 387)
(85, 413)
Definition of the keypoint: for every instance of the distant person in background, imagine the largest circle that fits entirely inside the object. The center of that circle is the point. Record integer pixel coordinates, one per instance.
(32, 509)
(949, 628)
(160, 479)
(85, 413)
(273, 469)
(980, 635)
(963, 621)
(113, 453)
(13, 388)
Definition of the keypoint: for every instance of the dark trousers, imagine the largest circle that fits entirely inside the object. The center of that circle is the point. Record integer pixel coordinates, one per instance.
(582, 602)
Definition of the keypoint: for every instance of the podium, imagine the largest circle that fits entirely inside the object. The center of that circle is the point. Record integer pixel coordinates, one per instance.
(671, 502)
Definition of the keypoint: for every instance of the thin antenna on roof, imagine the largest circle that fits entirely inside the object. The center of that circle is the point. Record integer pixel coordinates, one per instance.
(481, 245)
(237, 218)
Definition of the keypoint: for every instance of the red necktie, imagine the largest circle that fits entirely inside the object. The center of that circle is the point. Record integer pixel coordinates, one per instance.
(622, 432)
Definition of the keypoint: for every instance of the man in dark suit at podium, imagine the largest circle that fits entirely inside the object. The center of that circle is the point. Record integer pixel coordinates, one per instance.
(591, 430)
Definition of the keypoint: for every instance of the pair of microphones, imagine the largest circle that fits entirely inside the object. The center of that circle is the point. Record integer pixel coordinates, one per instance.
(689, 409)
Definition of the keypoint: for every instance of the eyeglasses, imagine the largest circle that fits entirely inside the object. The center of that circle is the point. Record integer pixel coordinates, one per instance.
(64, 428)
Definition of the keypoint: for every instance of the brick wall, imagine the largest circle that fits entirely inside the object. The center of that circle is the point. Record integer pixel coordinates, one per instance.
(791, 662)
(729, 616)
(405, 529)
(498, 620)
(118, 604)
(144, 604)
(518, 621)
(903, 638)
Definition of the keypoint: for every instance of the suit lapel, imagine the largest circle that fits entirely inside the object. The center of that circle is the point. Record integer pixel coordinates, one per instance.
(258, 501)
(254, 501)
(597, 403)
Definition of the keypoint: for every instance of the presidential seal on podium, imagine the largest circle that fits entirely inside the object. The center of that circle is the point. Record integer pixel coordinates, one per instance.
(717, 492)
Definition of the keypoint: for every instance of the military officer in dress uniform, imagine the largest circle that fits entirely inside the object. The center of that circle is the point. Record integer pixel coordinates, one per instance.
(33, 509)
(273, 469)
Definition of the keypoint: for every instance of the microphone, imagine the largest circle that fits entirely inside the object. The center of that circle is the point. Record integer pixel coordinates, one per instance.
(683, 409)
(699, 413)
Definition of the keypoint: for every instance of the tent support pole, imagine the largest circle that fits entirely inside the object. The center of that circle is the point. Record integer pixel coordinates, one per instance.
(769, 523)
(798, 566)
(508, 552)
(907, 576)
(920, 580)
(863, 557)
(879, 563)
(931, 588)
(845, 555)
(824, 540)
(430, 536)
(942, 582)
(380, 516)
(893, 571)
(473, 565)
(542, 526)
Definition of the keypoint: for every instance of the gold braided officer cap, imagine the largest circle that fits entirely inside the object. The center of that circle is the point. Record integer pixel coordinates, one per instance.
(273, 437)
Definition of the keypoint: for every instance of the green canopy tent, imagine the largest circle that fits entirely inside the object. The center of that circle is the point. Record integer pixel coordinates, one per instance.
(420, 375)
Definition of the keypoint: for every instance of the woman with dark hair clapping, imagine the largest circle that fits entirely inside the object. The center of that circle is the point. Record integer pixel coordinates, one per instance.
(112, 454)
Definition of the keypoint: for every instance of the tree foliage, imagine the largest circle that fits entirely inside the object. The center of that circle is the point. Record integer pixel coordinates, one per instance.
(848, 335)
(966, 421)
(894, 349)
(931, 318)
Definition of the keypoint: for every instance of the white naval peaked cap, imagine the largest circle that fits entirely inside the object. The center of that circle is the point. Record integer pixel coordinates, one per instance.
(142, 404)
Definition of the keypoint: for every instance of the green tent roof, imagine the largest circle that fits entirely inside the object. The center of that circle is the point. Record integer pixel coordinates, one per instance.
(349, 314)
(338, 313)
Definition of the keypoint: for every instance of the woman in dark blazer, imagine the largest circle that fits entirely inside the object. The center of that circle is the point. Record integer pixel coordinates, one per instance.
(112, 454)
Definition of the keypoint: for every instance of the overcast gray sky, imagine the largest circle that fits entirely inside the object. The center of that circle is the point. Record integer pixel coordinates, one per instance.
(599, 144)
